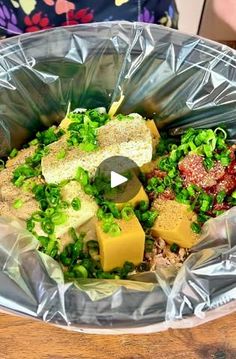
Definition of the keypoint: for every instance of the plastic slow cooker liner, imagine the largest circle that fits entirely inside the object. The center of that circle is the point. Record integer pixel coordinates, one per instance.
(177, 79)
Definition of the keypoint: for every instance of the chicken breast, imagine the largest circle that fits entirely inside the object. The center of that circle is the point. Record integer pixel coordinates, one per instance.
(76, 218)
(129, 137)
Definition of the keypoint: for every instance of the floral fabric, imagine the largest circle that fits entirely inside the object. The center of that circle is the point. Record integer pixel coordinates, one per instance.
(19, 16)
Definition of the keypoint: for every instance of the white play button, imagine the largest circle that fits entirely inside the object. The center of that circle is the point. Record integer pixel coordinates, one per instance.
(117, 179)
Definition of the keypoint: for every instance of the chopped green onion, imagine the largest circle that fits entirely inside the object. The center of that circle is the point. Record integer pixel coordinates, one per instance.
(59, 218)
(88, 189)
(167, 181)
(38, 216)
(172, 173)
(208, 163)
(47, 226)
(61, 154)
(195, 227)
(52, 249)
(100, 213)
(30, 224)
(148, 218)
(18, 203)
(202, 217)
(221, 131)
(34, 142)
(233, 194)
(220, 197)
(49, 212)
(191, 190)
(13, 153)
(149, 245)
(208, 150)
(112, 207)
(80, 271)
(174, 248)
(106, 227)
(76, 204)
(19, 182)
(127, 213)
(108, 217)
(221, 144)
(160, 189)
(87, 147)
(114, 230)
(65, 260)
(82, 176)
(43, 241)
(225, 160)
(143, 206)
(205, 206)
(218, 213)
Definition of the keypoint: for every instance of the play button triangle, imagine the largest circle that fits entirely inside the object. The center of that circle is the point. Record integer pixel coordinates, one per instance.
(117, 179)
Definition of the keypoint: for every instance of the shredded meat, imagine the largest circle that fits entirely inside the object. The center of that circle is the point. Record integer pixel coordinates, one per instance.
(163, 256)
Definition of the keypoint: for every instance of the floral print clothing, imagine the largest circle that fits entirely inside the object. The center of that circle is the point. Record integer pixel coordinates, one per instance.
(19, 16)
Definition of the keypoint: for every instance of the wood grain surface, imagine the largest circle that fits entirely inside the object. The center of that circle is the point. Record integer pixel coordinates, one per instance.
(21, 338)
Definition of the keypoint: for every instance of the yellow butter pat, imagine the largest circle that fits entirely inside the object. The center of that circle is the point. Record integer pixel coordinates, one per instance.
(127, 246)
(173, 223)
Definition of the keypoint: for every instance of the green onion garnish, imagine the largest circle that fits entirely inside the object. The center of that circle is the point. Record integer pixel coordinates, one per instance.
(34, 142)
(59, 218)
(13, 153)
(80, 271)
(114, 230)
(220, 197)
(195, 227)
(38, 216)
(143, 206)
(47, 226)
(30, 224)
(61, 154)
(208, 163)
(225, 160)
(174, 248)
(221, 132)
(127, 213)
(82, 176)
(76, 204)
(18, 203)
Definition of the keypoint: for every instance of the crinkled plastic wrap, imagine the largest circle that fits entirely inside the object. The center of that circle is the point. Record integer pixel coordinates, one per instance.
(177, 79)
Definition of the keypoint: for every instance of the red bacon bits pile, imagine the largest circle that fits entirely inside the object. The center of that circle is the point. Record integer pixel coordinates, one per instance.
(217, 179)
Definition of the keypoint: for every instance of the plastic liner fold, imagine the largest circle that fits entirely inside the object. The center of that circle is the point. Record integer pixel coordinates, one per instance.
(177, 79)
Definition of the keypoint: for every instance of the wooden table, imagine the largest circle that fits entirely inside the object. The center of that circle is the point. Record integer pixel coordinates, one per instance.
(23, 338)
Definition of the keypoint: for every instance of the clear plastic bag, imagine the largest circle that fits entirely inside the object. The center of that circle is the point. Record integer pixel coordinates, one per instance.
(178, 80)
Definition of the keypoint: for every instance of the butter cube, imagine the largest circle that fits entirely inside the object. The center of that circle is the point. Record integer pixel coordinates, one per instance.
(173, 223)
(127, 246)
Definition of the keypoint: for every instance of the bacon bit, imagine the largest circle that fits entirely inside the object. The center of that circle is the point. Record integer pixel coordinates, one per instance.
(232, 152)
(221, 207)
(156, 173)
(232, 168)
(167, 194)
(227, 184)
(152, 196)
(194, 172)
